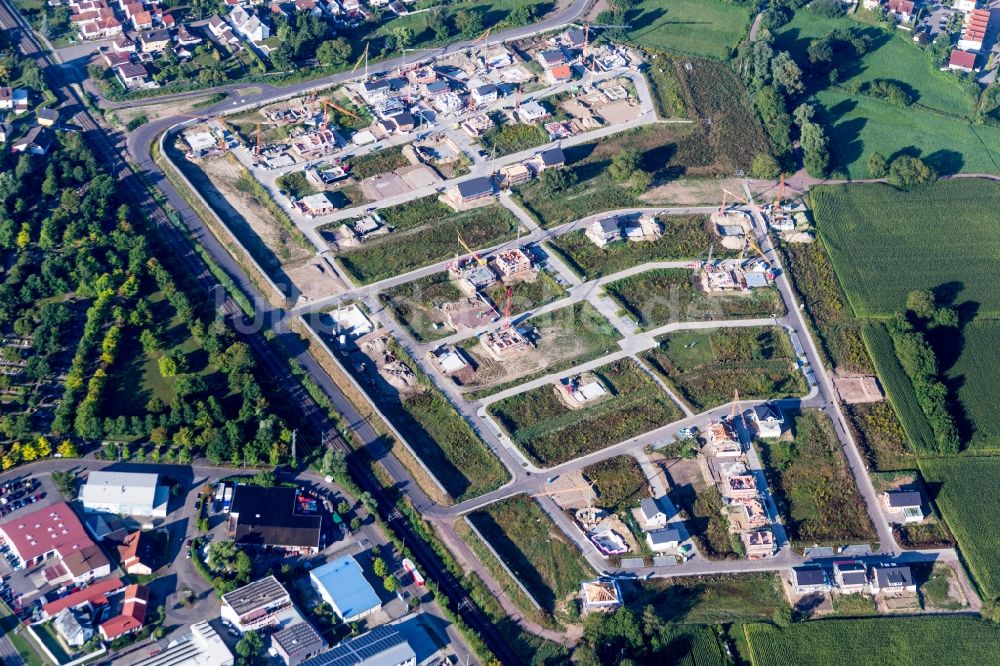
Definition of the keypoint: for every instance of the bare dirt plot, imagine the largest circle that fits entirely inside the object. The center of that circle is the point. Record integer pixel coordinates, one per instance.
(316, 278)
(384, 186)
(566, 337)
(621, 111)
(860, 388)
(225, 174)
(418, 175)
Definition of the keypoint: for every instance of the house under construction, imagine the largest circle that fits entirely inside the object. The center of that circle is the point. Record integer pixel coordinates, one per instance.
(506, 343)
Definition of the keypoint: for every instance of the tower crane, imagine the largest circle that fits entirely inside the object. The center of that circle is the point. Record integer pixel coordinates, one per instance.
(475, 255)
(364, 56)
(506, 308)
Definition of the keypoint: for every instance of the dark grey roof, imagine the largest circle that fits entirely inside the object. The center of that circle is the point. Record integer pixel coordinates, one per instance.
(552, 56)
(298, 639)
(649, 507)
(901, 499)
(893, 576)
(609, 225)
(809, 575)
(487, 89)
(767, 410)
(664, 536)
(48, 114)
(404, 118)
(256, 595)
(552, 156)
(382, 646)
(575, 36)
(475, 186)
(377, 84)
(266, 517)
(438, 86)
(155, 36)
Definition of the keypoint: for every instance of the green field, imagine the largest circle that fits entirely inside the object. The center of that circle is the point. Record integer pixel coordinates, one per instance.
(936, 127)
(619, 482)
(549, 432)
(537, 551)
(705, 367)
(378, 161)
(858, 127)
(442, 439)
(414, 305)
(714, 599)
(885, 243)
(667, 295)
(966, 496)
(710, 28)
(684, 237)
(892, 57)
(428, 238)
(812, 484)
(897, 641)
(973, 378)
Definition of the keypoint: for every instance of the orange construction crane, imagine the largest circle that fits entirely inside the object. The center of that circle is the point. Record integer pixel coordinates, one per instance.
(475, 255)
(327, 104)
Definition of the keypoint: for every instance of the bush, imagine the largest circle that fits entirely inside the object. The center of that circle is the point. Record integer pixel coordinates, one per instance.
(907, 171)
(827, 8)
(765, 166)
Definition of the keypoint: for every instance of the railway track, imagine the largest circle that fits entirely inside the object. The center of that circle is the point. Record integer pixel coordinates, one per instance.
(321, 428)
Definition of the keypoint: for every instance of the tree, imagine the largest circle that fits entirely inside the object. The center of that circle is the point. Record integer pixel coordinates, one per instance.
(641, 181)
(250, 647)
(469, 23)
(222, 555)
(877, 166)
(404, 37)
(804, 113)
(335, 463)
(67, 449)
(765, 166)
(438, 25)
(787, 75)
(343, 507)
(378, 566)
(921, 303)
(263, 478)
(167, 366)
(624, 164)
(555, 181)
(816, 150)
(907, 171)
(334, 52)
(390, 584)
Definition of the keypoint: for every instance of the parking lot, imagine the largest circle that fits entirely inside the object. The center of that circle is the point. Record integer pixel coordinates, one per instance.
(22, 495)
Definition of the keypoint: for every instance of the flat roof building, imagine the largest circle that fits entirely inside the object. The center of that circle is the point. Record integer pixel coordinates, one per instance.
(382, 646)
(266, 517)
(296, 643)
(342, 584)
(202, 647)
(125, 493)
(262, 603)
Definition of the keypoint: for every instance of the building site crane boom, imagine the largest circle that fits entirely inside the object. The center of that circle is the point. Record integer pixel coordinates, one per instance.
(469, 250)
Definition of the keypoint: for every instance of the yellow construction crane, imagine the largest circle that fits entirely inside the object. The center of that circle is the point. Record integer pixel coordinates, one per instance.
(327, 104)
(364, 56)
(469, 250)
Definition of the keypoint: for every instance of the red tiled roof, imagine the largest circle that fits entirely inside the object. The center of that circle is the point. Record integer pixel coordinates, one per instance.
(965, 59)
(561, 72)
(96, 594)
(54, 527)
(133, 613)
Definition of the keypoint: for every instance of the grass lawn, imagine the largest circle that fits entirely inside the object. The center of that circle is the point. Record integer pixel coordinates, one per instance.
(426, 242)
(667, 295)
(812, 485)
(896, 641)
(444, 441)
(705, 522)
(503, 140)
(942, 237)
(568, 336)
(860, 126)
(619, 482)
(549, 432)
(966, 494)
(537, 551)
(892, 56)
(709, 90)
(525, 295)
(25, 648)
(710, 28)
(414, 305)
(705, 367)
(714, 599)
(379, 161)
(684, 237)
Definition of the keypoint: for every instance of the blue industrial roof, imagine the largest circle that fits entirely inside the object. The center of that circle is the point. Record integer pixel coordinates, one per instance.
(345, 583)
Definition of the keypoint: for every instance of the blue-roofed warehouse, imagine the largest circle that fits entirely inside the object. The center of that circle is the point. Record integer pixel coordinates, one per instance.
(342, 584)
